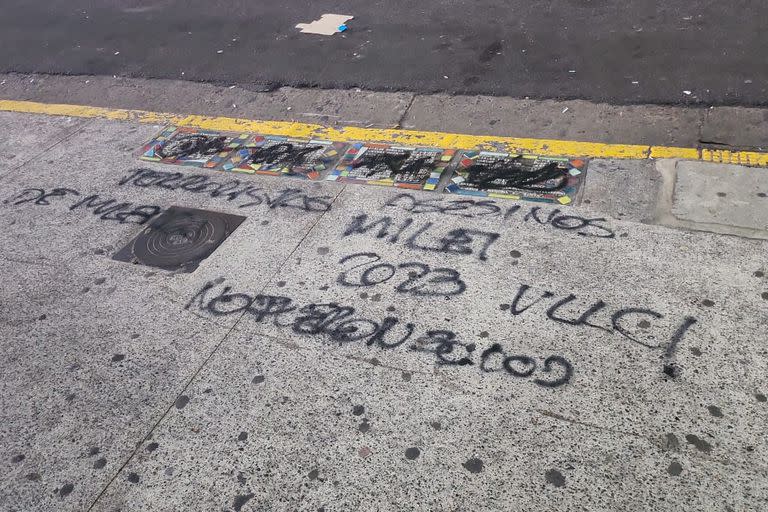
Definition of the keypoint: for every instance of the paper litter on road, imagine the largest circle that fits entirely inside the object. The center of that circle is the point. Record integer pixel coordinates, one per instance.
(327, 25)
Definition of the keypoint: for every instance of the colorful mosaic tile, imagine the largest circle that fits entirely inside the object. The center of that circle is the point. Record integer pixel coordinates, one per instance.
(190, 146)
(390, 165)
(510, 176)
(282, 156)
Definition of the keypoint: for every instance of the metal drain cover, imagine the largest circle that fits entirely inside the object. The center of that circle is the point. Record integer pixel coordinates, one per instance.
(179, 239)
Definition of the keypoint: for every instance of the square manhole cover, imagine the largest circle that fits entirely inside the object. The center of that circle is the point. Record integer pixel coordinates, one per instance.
(179, 239)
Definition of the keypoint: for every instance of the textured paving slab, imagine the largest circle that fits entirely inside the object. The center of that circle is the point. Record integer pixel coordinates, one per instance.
(23, 138)
(376, 350)
(656, 411)
(97, 350)
(729, 195)
(623, 189)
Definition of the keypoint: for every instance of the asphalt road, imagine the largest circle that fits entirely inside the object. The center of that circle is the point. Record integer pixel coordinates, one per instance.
(604, 50)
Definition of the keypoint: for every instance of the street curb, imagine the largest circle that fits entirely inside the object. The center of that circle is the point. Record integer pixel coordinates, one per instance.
(543, 147)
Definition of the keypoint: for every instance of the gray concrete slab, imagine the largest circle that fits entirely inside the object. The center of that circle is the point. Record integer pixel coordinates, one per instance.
(623, 189)
(93, 356)
(388, 350)
(730, 195)
(24, 138)
(736, 127)
(631, 412)
(571, 120)
(94, 351)
(326, 431)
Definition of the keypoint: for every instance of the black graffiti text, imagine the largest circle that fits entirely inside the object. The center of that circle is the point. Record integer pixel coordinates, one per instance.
(106, 209)
(425, 236)
(366, 269)
(596, 314)
(344, 325)
(472, 208)
(510, 173)
(244, 195)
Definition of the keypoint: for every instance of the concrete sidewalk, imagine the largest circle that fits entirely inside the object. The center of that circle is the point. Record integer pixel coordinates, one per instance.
(362, 348)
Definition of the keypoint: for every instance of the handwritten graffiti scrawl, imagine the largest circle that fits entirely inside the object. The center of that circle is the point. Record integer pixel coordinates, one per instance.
(389, 165)
(509, 176)
(472, 172)
(188, 146)
(283, 156)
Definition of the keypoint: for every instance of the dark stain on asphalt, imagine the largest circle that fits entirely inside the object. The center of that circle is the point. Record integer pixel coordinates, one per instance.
(406, 376)
(313, 474)
(696, 351)
(118, 357)
(182, 401)
(33, 477)
(436, 425)
(358, 410)
(323, 250)
(99, 463)
(759, 273)
(243, 436)
(93, 450)
(715, 411)
(364, 426)
(760, 397)
(241, 500)
(700, 444)
(152, 447)
(708, 303)
(133, 478)
(554, 477)
(490, 51)
(100, 280)
(473, 465)
(675, 468)
(484, 334)
(515, 254)
(257, 379)
(643, 324)
(412, 453)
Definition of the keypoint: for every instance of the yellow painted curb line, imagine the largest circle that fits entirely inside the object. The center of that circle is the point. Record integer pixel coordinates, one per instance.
(405, 137)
